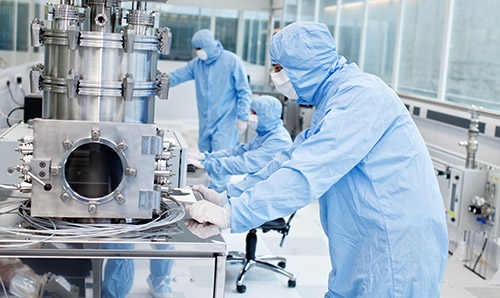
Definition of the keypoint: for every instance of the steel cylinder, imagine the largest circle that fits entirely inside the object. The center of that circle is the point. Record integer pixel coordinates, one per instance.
(96, 69)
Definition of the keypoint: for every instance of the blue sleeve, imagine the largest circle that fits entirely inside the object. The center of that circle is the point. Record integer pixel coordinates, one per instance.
(250, 161)
(182, 74)
(230, 152)
(338, 143)
(234, 190)
(243, 91)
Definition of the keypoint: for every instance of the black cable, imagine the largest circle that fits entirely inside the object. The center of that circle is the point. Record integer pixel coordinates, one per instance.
(480, 254)
(10, 113)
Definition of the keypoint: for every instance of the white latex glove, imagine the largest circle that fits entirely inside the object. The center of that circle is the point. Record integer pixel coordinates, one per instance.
(242, 126)
(203, 231)
(206, 212)
(196, 155)
(208, 194)
(195, 162)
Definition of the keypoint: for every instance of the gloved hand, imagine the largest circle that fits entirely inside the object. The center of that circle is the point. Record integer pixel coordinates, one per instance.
(196, 155)
(242, 126)
(195, 162)
(207, 212)
(201, 230)
(208, 194)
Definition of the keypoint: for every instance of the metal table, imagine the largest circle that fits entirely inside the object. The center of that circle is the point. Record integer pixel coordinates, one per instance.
(198, 268)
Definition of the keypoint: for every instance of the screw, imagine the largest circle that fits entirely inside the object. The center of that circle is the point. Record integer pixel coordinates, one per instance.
(41, 174)
(42, 164)
(131, 172)
(95, 134)
(65, 196)
(120, 198)
(92, 208)
(67, 144)
(121, 146)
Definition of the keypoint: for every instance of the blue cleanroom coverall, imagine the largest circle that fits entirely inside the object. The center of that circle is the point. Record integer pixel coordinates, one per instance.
(222, 91)
(365, 161)
(271, 138)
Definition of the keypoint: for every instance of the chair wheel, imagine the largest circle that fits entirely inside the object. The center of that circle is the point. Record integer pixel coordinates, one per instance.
(282, 264)
(292, 283)
(243, 288)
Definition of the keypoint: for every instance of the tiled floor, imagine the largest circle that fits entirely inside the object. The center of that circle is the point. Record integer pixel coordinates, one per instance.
(307, 253)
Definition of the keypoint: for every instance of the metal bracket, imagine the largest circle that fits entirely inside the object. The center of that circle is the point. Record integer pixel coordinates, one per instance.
(149, 199)
(72, 81)
(41, 168)
(152, 145)
(36, 78)
(73, 35)
(128, 87)
(165, 40)
(37, 33)
(163, 85)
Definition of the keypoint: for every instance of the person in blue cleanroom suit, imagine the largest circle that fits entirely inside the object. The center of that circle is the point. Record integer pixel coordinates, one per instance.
(271, 138)
(222, 92)
(365, 161)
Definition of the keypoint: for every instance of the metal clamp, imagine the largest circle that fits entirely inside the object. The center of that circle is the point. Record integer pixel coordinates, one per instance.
(36, 78)
(37, 27)
(73, 35)
(163, 85)
(72, 84)
(165, 40)
(129, 39)
(128, 87)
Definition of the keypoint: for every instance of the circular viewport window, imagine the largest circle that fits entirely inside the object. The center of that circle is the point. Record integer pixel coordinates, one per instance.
(93, 170)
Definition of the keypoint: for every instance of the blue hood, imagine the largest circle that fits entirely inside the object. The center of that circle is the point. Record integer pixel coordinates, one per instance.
(308, 54)
(205, 40)
(268, 110)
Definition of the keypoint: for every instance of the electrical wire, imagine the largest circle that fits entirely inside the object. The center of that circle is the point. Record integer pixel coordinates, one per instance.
(12, 96)
(6, 186)
(4, 289)
(43, 229)
(480, 254)
(10, 113)
(22, 89)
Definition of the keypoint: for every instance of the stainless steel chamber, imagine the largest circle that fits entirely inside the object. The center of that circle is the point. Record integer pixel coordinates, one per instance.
(97, 153)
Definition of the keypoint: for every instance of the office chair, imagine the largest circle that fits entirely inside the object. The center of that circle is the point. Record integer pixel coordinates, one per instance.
(249, 259)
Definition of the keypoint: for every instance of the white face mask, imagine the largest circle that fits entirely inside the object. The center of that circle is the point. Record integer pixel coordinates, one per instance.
(202, 54)
(282, 83)
(253, 121)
